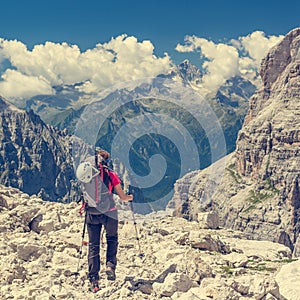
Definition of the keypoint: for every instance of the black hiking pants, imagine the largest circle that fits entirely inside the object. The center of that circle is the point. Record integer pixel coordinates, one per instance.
(94, 225)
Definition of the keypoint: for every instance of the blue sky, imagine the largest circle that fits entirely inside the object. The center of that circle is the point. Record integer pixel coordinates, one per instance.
(164, 22)
(105, 42)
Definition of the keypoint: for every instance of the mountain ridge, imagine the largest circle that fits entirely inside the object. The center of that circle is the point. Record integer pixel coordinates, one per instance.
(230, 106)
(259, 192)
(34, 157)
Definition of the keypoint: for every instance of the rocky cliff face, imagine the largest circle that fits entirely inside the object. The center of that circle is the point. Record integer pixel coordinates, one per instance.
(259, 192)
(39, 257)
(34, 157)
(272, 123)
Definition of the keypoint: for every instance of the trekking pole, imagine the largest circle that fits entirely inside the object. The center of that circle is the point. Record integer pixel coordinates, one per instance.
(83, 243)
(141, 255)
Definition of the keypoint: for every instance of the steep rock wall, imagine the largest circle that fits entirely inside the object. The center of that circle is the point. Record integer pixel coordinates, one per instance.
(259, 191)
(34, 157)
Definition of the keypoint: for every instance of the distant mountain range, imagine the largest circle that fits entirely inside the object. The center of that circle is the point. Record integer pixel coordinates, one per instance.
(64, 110)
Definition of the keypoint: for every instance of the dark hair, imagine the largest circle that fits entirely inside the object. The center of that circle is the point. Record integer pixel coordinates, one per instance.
(104, 154)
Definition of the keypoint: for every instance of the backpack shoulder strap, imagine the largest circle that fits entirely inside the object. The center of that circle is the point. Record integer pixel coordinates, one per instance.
(107, 180)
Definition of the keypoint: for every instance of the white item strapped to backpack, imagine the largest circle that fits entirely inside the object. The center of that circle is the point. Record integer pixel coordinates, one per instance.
(95, 186)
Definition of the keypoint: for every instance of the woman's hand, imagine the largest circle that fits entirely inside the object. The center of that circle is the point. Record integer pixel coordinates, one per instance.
(127, 198)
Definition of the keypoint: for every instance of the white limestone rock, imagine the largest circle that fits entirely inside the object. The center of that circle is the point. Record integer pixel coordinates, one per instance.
(288, 280)
(173, 283)
(208, 220)
(29, 251)
(43, 263)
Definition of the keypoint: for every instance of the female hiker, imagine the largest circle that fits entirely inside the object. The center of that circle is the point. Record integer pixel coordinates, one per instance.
(99, 183)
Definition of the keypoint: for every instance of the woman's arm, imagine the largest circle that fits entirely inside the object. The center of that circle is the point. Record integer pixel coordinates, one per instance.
(121, 194)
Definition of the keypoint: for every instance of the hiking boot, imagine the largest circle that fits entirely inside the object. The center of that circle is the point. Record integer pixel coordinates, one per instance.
(110, 273)
(95, 286)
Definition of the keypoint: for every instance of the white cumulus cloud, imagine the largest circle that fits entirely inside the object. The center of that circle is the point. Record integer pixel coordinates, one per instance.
(26, 73)
(123, 58)
(222, 61)
(254, 47)
(17, 85)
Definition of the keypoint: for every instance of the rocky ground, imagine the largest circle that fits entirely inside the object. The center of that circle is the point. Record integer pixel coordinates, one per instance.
(39, 255)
